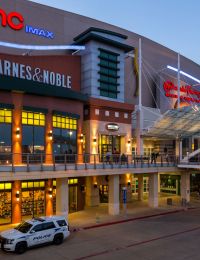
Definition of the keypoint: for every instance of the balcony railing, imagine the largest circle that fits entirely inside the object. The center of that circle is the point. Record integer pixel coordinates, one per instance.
(55, 162)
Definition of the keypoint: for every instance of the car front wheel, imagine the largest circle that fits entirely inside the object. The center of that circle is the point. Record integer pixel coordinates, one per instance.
(20, 248)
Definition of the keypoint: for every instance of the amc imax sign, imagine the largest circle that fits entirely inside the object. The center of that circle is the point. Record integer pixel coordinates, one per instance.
(16, 21)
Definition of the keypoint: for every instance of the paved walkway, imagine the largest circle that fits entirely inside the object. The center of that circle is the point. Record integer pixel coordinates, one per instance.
(136, 209)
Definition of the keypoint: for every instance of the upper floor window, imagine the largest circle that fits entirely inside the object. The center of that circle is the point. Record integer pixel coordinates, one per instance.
(5, 116)
(33, 118)
(108, 73)
(64, 122)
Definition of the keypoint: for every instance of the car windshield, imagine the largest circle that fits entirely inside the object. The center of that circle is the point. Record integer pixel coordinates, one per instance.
(24, 227)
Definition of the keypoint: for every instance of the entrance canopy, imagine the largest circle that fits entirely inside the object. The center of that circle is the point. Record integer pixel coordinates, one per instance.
(176, 123)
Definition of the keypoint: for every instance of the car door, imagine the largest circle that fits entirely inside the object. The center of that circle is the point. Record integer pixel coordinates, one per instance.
(50, 230)
(36, 235)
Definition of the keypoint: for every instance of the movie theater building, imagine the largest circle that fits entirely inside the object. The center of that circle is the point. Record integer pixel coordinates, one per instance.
(67, 117)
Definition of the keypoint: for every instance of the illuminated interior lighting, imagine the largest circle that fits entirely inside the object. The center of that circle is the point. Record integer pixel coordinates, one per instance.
(41, 47)
(184, 73)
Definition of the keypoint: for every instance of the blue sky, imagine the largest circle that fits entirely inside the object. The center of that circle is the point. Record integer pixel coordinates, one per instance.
(173, 23)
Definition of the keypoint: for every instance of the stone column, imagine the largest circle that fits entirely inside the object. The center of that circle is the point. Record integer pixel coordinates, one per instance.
(158, 183)
(185, 186)
(179, 152)
(153, 190)
(92, 192)
(62, 197)
(113, 202)
(49, 198)
(140, 187)
(16, 202)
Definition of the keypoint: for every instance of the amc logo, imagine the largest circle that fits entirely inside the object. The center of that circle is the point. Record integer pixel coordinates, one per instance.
(14, 20)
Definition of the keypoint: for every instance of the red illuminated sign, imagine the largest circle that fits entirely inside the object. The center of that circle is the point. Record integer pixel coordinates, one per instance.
(14, 20)
(188, 93)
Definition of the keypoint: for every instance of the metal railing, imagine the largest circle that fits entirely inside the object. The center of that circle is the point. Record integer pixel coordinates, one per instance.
(85, 161)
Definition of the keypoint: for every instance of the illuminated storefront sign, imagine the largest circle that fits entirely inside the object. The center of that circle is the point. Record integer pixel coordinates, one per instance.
(16, 22)
(112, 127)
(187, 93)
(17, 70)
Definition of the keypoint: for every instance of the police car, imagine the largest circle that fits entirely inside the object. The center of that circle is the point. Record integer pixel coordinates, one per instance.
(35, 232)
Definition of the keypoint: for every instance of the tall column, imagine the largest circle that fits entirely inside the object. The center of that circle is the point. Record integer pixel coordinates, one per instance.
(140, 187)
(49, 199)
(153, 190)
(92, 192)
(16, 202)
(113, 202)
(179, 152)
(17, 126)
(185, 186)
(62, 197)
(49, 139)
(158, 183)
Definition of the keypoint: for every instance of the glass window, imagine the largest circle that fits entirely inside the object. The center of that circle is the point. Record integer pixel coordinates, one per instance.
(5, 133)
(33, 118)
(62, 223)
(48, 225)
(64, 122)
(38, 228)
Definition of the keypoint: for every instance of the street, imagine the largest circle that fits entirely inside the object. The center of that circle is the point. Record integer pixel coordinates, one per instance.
(175, 236)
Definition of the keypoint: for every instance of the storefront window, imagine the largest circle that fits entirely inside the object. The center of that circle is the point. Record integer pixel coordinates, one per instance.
(5, 202)
(33, 132)
(5, 136)
(64, 135)
(108, 143)
(33, 199)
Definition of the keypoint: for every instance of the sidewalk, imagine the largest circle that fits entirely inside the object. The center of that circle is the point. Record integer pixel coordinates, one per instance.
(98, 216)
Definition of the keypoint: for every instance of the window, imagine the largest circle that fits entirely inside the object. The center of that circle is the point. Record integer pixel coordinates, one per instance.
(38, 228)
(33, 132)
(64, 122)
(32, 118)
(116, 114)
(64, 135)
(48, 225)
(96, 112)
(62, 223)
(5, 116)
(107, 113)
(108, 73)
(125, 115)
(86, 112)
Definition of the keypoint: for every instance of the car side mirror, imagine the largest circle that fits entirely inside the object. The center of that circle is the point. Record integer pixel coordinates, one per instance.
(32, 231)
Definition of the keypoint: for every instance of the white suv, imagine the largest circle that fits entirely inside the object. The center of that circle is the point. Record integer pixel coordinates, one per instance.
(35, 232)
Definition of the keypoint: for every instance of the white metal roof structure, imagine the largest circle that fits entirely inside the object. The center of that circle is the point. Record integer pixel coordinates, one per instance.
(176, 123)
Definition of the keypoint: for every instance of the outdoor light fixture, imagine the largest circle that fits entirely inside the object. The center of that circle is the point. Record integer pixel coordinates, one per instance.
(95, 185)
(41, 47)
(70, 133)
(81, 138)
(129, 183)
(129, 141)
(17, 132)
(17, 195)
(183, 73)
(50, 135)
(50, 193)
(94, 140)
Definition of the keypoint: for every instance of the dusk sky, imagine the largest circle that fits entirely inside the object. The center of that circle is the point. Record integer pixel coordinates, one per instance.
(172, 23)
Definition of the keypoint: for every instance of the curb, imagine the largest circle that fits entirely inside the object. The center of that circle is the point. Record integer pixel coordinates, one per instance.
(131, 219)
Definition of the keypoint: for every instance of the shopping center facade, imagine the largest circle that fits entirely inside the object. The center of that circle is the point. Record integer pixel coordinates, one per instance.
(68, 126)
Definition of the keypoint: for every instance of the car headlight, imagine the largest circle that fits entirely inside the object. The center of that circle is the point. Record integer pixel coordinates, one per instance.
(10, 241)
